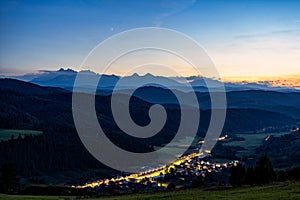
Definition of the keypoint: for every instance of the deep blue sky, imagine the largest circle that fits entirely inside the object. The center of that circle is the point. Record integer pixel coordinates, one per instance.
(244, 38)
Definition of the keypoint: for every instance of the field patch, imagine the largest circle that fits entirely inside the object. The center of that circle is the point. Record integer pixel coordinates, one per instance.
(7, 134)
(251, 141)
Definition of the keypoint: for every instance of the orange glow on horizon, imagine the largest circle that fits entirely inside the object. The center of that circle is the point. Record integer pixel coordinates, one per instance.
(292, 81)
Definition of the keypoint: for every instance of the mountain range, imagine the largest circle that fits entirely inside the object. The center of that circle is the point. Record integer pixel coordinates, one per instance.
(65, 78)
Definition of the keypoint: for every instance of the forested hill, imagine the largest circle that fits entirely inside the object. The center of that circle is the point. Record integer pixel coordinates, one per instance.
(12, 85)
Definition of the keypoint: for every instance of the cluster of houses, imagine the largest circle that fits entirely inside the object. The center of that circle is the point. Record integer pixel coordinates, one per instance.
(179, 174)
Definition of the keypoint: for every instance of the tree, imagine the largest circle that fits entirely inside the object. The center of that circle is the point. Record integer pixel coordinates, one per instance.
(19, 137)
(280, 175)
(249, 177)
(293, 173)
(237, 175)
(111, 187)
(172, 171)
(264, 172)
(8, 181)
(198, 181)
(171, 186)
(160, 179)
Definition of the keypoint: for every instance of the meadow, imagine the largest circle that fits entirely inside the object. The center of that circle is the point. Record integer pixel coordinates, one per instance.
(286, 190)
(251, 142)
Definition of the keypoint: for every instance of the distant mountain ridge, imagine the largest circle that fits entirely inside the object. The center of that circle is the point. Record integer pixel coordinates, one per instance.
(65, 78)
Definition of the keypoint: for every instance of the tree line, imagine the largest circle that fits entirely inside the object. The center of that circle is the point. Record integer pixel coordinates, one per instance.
(260, 174)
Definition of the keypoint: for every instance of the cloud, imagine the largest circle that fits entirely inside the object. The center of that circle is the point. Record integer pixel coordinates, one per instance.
(285, 31)
(250, 35)
(171, 8)
(12, 71)
(268, 33)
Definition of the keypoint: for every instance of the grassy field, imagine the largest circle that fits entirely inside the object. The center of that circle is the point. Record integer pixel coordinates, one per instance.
(275, 191)
(251, 142)
(5, 134)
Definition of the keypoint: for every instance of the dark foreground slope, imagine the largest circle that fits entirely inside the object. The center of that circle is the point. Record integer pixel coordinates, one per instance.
(284, 191)
(277, 191)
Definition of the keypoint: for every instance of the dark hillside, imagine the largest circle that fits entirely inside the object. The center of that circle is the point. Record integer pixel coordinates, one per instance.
(28, 106)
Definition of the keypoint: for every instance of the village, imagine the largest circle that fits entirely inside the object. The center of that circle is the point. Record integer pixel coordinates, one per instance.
(191, 170)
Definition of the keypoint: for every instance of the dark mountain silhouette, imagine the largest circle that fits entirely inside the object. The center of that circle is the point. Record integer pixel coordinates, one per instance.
(284, 103)
(27, 88)
(135, 79)
(65, 79)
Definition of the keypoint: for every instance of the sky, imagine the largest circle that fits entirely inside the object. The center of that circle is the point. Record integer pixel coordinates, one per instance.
(246, 39)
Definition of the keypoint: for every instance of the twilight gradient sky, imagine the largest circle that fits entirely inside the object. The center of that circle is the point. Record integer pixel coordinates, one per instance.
(245, 38)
